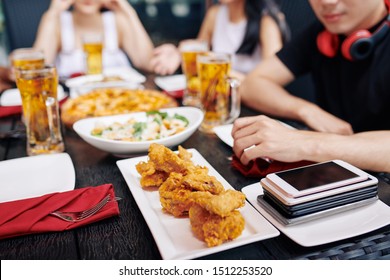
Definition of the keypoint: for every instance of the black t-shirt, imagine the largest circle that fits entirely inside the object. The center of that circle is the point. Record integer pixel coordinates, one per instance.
(355, 91)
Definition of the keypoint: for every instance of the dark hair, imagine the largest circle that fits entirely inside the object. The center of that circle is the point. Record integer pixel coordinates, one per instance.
(102, 9)
(254, 10)
(278, 16)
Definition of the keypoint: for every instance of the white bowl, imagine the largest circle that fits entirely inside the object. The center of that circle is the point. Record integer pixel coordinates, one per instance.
(85, 126)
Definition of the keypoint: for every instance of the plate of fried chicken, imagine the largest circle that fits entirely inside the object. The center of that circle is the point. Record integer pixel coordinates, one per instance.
(191, 210)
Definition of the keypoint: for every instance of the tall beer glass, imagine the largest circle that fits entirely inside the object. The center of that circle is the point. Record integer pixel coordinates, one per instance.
(38, 89)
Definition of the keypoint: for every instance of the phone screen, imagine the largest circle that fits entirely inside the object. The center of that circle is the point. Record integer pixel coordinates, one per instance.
(316, 175)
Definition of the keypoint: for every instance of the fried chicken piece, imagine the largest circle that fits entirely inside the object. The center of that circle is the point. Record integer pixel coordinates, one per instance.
(153, 173)
(188, 189)
(145, 168)
(221, 204)
(166, 160)
(150, 177)
(155, 180)
(213, 229)
(185, 155)
(177, 202)
(175, 198)
(173, 182)
(198, 179)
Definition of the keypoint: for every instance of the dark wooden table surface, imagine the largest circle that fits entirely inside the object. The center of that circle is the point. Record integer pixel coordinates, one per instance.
(128, 236)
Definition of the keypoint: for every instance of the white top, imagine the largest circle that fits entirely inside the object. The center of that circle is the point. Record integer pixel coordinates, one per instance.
(227, 38)
(71, 60)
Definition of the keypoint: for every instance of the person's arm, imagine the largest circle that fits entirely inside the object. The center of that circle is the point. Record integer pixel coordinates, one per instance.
(5, 78)
(207, 27)
(270, 37)
(263, 90)
(133, 37)
(273, 140)
(48, 37)
(5, 74)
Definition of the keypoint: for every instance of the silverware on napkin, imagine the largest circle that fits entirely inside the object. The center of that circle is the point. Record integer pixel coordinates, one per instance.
(81, 215)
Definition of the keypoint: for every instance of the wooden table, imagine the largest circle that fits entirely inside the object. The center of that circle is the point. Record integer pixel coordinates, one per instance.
(128, 236)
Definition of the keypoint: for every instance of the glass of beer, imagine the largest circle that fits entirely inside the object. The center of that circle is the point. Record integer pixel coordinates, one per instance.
(189, 51)
(218, 92)
(38, 89)
(26, 58)
(93, 48)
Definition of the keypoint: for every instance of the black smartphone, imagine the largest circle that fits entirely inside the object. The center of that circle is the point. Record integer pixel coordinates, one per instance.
(288, 213)
(290, 201)
(324, 200)
(314, 216)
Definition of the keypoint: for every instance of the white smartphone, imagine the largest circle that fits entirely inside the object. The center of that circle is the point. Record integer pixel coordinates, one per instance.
(290, 201)
(316, 178)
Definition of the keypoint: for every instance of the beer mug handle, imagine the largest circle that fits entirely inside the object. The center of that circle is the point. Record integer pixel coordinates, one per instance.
(235, 106)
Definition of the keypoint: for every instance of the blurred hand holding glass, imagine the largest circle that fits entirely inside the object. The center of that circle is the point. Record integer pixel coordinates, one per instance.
(93, 48)
(219, 97)
(38, 89)
(189, 51)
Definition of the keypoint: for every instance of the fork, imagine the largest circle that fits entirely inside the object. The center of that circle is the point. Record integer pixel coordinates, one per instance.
(81, 215)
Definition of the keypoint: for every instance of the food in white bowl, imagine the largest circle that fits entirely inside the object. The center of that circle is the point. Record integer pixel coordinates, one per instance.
(157, 125)
(85, 127)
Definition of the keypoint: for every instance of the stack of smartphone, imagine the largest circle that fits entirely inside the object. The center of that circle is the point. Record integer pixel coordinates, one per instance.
(315, 191)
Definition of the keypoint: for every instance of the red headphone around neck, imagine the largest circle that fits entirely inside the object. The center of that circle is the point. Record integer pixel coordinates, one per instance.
(357, 46)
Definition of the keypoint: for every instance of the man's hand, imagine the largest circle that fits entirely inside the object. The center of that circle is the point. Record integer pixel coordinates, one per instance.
(261, 136)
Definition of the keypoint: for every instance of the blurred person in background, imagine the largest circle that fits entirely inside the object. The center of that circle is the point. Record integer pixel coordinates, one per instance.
(348, 53)
(63, 24)
(6, 79)
(250, 30)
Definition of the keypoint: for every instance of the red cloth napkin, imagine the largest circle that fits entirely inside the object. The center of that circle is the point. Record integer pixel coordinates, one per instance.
(14, 110)
(175, 93)
(10, 110)
(32, 215)
(77, 74)
(261, 167)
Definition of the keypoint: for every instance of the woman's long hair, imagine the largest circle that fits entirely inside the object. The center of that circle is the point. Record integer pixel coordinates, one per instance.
(254, 10)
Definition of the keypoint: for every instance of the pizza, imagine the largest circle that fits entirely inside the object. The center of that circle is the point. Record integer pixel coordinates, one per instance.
(113, 101)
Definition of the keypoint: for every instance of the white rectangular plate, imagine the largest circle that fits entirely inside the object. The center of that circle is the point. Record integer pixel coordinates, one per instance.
(174, 236)
(35, 176)
(327, 229)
